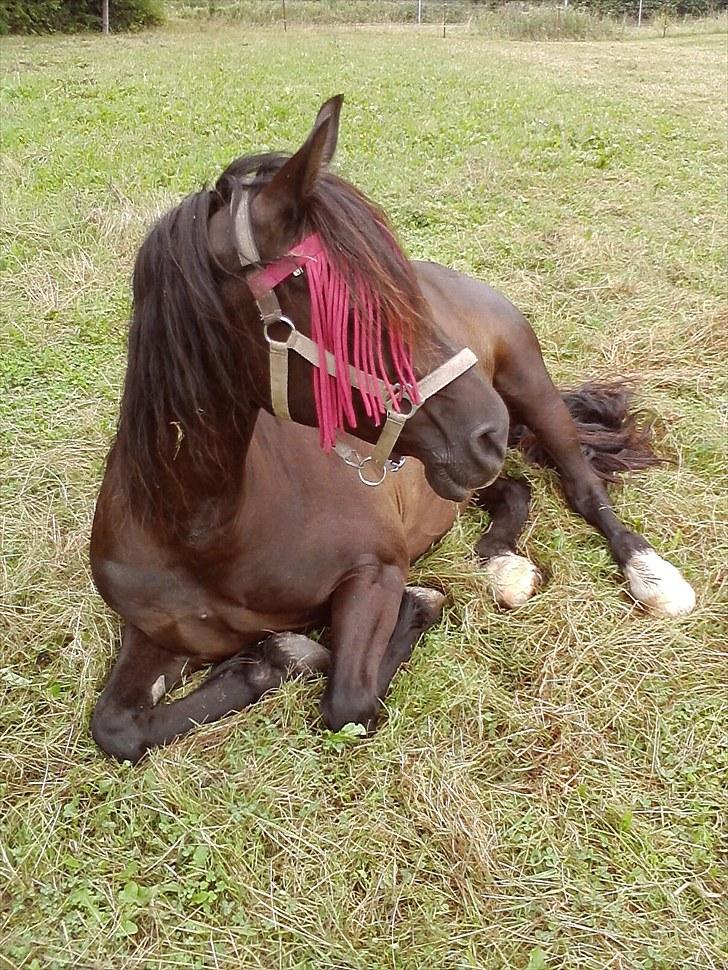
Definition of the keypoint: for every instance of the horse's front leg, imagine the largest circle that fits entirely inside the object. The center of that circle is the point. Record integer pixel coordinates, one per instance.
(364, 612)
(128, 718)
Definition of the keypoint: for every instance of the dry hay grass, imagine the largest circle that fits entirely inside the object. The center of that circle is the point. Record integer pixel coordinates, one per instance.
(547, 788)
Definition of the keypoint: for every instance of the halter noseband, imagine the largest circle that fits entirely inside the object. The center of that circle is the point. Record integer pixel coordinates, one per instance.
(262, 285)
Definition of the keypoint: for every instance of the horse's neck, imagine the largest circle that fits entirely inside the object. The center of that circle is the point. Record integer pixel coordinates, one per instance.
(221, 485)
(200, 501)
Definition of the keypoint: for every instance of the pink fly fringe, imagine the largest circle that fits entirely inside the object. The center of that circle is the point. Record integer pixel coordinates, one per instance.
(330, 305)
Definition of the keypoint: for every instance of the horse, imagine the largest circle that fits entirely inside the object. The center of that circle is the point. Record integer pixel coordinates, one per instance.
(305, 412)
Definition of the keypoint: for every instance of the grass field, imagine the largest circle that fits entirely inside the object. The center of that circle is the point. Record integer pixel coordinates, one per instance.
(546, 791)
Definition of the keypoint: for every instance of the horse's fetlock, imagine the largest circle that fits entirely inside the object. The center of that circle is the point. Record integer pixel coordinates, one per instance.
(428, 604)
(295, 654)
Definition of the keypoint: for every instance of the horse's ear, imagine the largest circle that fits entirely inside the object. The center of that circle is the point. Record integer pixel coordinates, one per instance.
(330, 112)
(292, 184)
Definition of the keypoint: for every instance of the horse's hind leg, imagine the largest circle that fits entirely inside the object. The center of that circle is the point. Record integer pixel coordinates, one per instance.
(529, 393)
(128, 720)
(514, 579)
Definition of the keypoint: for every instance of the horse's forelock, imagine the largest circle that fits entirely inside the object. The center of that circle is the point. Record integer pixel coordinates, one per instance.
(357, 234)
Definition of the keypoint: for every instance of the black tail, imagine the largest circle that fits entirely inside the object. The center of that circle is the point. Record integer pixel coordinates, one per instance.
(614, 439)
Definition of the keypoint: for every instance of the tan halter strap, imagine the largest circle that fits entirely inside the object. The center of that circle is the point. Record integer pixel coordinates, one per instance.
(262, 284)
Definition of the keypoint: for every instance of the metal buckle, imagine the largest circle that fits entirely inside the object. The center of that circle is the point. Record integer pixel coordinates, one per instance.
(401, 396)
(279, 344)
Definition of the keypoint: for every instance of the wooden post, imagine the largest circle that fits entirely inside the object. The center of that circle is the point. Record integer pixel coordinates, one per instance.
(104, 16)
(285, 22)
(639, 15)
(444, 18)
(419, 11)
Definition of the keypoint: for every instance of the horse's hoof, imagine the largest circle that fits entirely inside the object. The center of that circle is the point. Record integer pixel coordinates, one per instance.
(429, 602)
(158, 690)
(298, 654)
(658, 585)
(513, 579)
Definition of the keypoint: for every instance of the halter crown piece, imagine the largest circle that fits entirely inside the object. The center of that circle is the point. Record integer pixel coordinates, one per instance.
(328, 350)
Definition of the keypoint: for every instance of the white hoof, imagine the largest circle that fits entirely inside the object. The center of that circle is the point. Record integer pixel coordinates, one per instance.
(431, 599)
(513, 579)
(655, 583)
(303, 654)
(159, 689)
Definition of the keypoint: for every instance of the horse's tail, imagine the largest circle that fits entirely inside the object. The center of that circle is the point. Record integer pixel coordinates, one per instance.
(614, 438)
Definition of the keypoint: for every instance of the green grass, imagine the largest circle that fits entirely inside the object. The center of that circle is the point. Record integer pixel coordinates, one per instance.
(546, 791)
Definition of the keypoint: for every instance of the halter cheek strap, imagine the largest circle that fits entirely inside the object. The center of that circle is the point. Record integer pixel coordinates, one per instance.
(395, 420)
(262, 284)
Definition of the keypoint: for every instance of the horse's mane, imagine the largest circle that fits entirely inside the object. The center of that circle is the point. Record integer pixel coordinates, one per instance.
(185, 385)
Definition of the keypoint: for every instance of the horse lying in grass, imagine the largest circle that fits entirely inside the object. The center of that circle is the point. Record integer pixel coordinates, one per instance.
(222, 532)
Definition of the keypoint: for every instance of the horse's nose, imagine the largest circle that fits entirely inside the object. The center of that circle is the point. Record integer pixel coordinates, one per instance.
(488, 444)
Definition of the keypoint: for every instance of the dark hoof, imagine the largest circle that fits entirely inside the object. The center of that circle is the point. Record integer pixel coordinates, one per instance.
(342, 708)
(117, 733)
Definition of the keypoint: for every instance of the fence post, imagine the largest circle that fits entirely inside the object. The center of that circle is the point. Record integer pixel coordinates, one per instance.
(105, 16)
(639, 15)
(419, 12)
(285, 22)
(444, 18)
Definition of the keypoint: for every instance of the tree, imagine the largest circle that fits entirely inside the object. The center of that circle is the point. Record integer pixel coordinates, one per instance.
(49, 16)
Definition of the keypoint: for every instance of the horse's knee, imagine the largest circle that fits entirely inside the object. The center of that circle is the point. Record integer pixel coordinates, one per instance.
(346, 706)
(117, 731)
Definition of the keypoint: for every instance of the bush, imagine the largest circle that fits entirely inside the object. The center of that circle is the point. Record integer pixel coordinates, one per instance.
(48, 16)
(546, 23)
(680, 8)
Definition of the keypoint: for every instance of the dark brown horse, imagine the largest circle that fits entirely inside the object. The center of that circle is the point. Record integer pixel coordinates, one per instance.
(222, 532)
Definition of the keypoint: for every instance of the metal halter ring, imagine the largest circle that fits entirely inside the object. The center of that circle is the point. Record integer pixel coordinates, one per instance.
(402, 397)
(363, 479)
(291, 334)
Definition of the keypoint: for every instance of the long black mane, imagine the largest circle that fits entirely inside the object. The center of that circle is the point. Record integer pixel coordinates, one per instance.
(186, 386)
(185, 378)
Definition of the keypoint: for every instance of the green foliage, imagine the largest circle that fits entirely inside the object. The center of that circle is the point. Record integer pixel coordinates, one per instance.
(347, 735)
(546, 23)
(680, 8)
(69, 16)
(541, 20)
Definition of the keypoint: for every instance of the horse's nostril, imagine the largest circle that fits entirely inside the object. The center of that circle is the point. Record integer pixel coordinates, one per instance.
(487, 442)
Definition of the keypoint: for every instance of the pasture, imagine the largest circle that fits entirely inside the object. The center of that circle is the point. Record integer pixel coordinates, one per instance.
(546, 790)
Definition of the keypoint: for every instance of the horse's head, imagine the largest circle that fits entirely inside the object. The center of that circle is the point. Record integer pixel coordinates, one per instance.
(325, 290)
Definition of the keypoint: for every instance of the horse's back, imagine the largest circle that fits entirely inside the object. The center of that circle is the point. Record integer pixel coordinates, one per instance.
(472, 313)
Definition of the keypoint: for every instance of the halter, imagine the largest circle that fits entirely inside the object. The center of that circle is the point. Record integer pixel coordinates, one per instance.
(398, 411)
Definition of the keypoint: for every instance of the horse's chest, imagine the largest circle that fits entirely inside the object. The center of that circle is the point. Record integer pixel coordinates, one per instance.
(288, 570)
